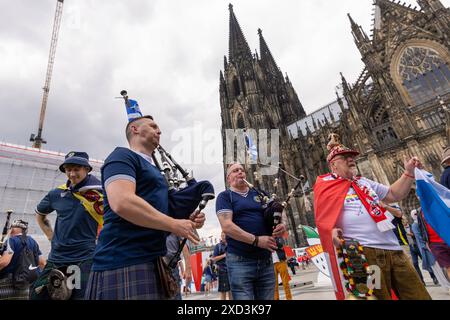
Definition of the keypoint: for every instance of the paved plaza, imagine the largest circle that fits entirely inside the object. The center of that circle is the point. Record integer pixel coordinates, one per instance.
(306, 286)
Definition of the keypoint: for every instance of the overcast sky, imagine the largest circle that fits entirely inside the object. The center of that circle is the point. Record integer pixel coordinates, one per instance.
(167, 54)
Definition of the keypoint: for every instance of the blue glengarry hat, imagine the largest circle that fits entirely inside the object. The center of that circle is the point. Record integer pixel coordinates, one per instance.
(78, 158)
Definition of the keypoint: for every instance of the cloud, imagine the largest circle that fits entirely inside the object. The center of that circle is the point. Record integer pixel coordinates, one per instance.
(167, 54)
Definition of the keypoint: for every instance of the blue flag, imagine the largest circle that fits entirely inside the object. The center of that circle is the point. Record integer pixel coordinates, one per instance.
(251, 147)
(435, 201)
(133, 110)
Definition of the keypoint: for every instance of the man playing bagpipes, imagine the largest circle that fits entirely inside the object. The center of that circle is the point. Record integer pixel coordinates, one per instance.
(241, 212)
(20, 263)
(79, 209)
(139, 214)
(350, 219)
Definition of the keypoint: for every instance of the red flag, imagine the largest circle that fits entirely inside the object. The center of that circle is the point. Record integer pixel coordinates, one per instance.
(197, 269)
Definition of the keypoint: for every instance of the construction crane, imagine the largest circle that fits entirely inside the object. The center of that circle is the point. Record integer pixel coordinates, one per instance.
(37, 139)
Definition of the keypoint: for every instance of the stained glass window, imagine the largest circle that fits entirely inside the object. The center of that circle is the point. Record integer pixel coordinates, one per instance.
(424, 73)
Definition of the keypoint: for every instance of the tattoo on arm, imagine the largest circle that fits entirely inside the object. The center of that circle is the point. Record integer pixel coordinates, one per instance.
(227, 216)
(47, 223)
(234, 231)
(46, 226)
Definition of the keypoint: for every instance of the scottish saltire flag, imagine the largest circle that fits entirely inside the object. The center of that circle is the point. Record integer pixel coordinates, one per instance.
(251, 147)
(435, 201)
(133, 110)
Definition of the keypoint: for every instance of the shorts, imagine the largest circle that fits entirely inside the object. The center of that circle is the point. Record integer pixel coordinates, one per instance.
(441, 252)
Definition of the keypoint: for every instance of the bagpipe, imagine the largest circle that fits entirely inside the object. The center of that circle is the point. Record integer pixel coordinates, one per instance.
(273, 207)
(185, 194)
(187, 197)
(5, 229)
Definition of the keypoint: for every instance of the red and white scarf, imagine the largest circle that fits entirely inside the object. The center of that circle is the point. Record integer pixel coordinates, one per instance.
(376, 212)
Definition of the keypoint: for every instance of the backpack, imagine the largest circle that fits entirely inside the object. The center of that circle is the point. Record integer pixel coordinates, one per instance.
(26, 271)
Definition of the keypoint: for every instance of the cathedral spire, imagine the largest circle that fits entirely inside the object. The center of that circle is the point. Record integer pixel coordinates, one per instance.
(266, 56)
(222, 85)
(361, 38)
(345, 86)
(238, 46)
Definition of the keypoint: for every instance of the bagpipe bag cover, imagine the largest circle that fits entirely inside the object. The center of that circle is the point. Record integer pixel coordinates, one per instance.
(183, 202)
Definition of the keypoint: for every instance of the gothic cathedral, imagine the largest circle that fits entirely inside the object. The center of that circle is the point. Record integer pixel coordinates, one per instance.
(399, 105)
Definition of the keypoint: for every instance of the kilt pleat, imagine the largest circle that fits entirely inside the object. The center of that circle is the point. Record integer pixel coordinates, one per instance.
(136, 282)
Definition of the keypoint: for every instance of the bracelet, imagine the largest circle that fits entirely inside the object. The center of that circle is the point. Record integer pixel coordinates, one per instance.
(255, 242)
(409, 176)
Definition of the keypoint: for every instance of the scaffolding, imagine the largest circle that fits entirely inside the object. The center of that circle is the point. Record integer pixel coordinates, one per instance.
(26, 176)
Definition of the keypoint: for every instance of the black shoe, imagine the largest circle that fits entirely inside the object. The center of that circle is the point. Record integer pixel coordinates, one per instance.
(435, 281)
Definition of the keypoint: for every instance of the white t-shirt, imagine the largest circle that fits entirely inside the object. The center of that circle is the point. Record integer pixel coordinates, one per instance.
(356, 223)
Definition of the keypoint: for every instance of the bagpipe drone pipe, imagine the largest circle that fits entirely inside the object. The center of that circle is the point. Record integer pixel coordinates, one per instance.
(273, 207)
(185, 194)
(5, 230)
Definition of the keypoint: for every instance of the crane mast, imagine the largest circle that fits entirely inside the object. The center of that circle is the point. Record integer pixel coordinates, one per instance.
(37, 139)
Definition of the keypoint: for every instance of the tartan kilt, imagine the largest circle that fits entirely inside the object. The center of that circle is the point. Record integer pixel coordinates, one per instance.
(9, 292)
(224, 283)
(136, 282)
